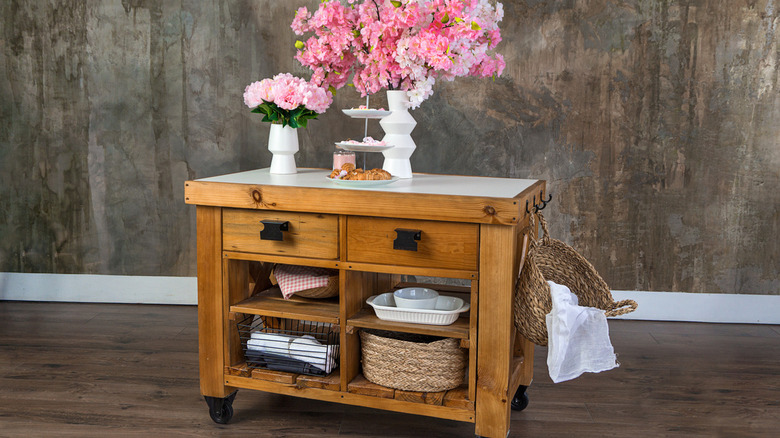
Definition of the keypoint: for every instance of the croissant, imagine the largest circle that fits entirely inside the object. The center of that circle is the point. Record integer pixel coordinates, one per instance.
(354, 174)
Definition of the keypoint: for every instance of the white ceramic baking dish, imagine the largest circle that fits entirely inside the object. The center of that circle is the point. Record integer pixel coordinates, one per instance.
(446, 311)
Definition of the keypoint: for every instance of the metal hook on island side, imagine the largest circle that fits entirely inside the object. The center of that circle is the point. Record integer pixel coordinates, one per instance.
(538, 207)
(544, 202)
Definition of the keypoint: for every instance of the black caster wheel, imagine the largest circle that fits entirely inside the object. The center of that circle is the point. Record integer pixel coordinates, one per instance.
(221, 409)
(520, 400)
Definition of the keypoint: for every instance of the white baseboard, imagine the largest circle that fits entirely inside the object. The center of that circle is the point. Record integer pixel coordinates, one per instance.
(98, 288)
(682, 306)
(657, 306)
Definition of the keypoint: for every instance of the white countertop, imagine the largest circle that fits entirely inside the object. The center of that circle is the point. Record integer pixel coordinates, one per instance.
(421, 183)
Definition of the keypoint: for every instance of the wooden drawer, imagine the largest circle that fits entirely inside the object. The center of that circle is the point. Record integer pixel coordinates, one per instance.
(309, 234)
(448, 245)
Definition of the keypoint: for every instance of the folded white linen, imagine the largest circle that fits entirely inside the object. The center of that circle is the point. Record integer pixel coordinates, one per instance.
(304, 348)
(308, 349)
(271, 343)
(578, 337)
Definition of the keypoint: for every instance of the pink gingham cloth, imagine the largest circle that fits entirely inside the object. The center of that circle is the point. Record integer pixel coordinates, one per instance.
(293, 278)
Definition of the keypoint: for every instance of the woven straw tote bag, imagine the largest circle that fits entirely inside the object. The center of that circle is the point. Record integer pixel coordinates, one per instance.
(553, 260)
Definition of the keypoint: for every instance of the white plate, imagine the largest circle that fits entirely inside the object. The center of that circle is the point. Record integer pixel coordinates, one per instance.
(447, 310)
(362, 147)
(366, 113)
(358, 183)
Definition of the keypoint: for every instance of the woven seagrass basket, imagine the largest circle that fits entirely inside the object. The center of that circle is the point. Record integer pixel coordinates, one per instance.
(412, 365)
(553, 260)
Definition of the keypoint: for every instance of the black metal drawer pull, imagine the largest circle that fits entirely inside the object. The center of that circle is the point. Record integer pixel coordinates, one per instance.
(407, 239)
(272, 230)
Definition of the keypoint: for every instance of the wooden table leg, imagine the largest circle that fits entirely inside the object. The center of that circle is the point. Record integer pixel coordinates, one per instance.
(211, 309)
(494, 357)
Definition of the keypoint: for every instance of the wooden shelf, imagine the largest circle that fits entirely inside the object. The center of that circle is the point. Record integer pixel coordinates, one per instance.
(271, 303)
(366, 318)
(329, 382)
(454, 406)
(455, 398)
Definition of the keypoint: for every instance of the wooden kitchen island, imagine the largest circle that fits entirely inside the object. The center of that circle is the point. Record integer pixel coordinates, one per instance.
(466, 229)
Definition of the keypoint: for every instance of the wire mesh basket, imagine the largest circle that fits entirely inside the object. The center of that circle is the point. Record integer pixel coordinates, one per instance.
(295, 346)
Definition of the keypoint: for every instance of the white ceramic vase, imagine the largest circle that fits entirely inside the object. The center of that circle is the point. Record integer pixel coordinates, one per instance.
(283, 144)
(398, 126)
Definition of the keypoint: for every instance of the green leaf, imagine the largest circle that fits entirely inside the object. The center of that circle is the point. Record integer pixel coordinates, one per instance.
(294, 114)
(446, 18)
(299, 44)
(266, 108)
(332, 89)
(458, 20)
(395, 3)
(475, 26)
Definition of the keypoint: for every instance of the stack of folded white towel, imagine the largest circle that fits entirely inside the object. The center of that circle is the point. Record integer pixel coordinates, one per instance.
(304, 348)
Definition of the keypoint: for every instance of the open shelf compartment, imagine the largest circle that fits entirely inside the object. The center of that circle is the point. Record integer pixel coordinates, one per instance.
(366, 318)
(271, 303)
(289, 345)
(454, 398)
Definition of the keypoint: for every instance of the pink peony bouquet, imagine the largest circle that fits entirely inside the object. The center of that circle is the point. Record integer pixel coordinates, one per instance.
(399, 44)
(287, 100)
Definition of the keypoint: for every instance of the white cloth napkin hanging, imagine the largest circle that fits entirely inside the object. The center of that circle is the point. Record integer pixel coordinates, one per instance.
(578, 337)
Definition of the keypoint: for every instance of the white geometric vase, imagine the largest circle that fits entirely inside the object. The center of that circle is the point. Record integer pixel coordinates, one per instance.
(398, 126)
(283, 144)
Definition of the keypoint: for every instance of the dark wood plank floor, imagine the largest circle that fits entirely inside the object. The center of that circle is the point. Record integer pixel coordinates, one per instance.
(132, 370)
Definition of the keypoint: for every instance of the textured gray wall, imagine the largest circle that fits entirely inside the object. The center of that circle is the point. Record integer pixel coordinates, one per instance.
(654, 122)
